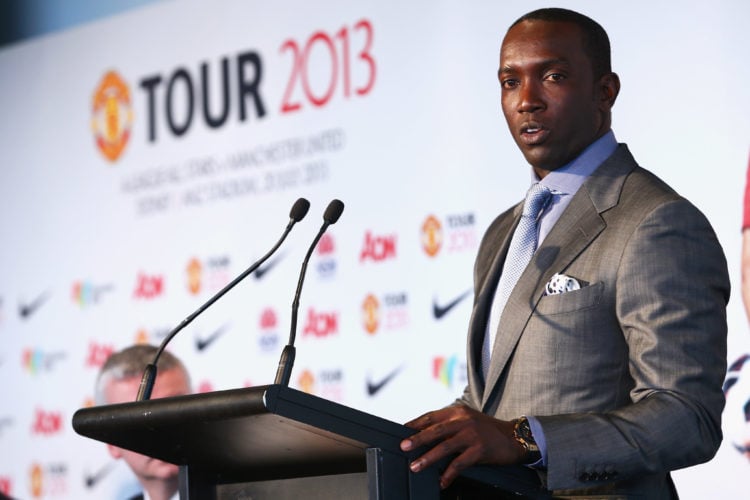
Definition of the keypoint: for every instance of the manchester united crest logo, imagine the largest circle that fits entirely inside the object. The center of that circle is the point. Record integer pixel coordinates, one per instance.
(432, 235)
(371, 314)
(112, 116)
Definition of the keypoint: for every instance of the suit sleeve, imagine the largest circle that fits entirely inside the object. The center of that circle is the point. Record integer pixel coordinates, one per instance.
(671, 294)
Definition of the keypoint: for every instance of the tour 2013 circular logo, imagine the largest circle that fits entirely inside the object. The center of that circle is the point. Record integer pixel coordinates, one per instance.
(371, 314)
(432, 235)
(112, 115)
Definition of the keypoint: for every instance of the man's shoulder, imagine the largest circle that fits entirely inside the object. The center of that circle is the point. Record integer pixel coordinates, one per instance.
(628, 195)
(621, 179)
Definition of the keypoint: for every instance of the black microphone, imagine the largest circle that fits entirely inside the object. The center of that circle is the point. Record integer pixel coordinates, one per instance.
(286, 363)
(297, 213)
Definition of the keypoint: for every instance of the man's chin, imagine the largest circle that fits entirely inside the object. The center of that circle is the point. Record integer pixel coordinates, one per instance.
(162, 470)
(540, 159)
(536, 158)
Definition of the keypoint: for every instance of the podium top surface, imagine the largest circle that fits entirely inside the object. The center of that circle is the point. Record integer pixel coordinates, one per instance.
(258, 428)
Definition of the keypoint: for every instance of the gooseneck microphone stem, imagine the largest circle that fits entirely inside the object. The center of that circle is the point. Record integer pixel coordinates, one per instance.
(298, 293)
(298, 212)
(286, 362)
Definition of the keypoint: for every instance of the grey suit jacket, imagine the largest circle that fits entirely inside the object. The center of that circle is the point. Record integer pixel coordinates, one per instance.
(624, 374)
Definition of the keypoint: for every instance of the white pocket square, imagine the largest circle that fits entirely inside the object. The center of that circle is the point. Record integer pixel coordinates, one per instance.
(560, 283)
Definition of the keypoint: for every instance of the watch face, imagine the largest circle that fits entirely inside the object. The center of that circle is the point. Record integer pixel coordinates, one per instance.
(522, 434)
(524, 431)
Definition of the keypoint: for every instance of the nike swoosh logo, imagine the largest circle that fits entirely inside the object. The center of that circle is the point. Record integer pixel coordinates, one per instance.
(203, 343)
(92, 480)
(374, 388)
(439, 310)
(263, 270)
(26, 310)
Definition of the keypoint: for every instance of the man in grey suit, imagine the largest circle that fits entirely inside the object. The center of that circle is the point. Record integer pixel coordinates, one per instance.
(606, 366)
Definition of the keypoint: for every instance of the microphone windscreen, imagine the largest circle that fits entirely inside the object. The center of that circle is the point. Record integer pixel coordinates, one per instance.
(299, 209)
(333, 211)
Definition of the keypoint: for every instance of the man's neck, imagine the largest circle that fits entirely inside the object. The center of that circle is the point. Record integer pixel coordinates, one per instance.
(160, 489)
(601, 142)
(593, 155)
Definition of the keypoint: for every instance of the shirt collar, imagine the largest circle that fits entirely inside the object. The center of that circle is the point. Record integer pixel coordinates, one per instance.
(568, 178)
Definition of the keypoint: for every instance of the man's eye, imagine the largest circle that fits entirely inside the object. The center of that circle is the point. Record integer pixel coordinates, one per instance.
(509, 83)
(555, 77)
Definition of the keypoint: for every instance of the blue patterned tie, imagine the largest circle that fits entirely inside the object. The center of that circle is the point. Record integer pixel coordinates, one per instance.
(522, 248)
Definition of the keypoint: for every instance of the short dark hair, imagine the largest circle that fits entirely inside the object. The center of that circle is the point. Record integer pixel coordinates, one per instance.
(130, 363)
(595, 39)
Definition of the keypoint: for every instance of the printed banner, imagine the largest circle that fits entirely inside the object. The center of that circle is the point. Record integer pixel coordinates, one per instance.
(151, 157)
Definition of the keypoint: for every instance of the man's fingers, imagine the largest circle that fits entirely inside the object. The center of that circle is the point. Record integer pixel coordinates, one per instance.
(435, 454)
(465, 460)
(431, 426)
(429, 418)
(419, 422)
(428, 434)
(469, 457)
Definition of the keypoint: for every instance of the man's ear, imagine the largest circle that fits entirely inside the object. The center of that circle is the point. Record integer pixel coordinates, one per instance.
(609, 88)
(114, 451)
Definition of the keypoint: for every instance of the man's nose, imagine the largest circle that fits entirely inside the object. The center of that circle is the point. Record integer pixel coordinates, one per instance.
(530, 97)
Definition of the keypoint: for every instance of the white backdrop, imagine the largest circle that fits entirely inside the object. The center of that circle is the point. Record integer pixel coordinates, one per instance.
(405, 125)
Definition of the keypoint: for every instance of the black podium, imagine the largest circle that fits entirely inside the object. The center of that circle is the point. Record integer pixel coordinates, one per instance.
(276, 442)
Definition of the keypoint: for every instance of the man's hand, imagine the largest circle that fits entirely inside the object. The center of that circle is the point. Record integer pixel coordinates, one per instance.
(459, 430)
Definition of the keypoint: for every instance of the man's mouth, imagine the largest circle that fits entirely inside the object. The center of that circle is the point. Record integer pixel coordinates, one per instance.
(533, 134)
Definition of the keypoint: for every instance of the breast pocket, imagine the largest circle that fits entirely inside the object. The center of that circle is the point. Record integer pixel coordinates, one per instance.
(576, 300)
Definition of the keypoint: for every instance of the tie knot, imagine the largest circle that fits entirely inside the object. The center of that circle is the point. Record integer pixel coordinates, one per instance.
(536, 199)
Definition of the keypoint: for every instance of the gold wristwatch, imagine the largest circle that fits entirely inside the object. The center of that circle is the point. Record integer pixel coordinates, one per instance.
(522, 434)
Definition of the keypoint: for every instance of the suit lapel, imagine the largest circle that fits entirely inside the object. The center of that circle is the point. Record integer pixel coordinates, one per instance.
(576, 228)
